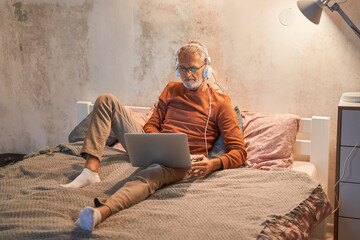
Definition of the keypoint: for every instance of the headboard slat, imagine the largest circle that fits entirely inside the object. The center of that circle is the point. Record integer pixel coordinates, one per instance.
(305, 125)
(320, 151)
(302, 147)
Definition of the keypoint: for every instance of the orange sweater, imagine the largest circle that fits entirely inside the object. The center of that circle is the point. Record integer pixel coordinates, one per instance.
(182, 111)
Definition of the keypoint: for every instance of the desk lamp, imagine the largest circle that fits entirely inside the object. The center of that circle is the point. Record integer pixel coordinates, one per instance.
(312, 9)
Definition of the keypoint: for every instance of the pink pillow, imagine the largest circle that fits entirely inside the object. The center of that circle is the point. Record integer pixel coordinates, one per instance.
(269, 139)
(140, 116)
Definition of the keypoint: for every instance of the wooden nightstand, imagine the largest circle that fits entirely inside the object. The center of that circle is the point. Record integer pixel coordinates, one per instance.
(347, 218)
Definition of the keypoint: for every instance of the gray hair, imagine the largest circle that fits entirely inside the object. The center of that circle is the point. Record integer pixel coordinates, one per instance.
(195, 47)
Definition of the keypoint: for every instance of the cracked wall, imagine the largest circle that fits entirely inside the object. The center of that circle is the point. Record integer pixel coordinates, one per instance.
(43, 68)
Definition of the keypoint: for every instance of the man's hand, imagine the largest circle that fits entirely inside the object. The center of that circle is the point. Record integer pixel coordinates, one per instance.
(202, 166)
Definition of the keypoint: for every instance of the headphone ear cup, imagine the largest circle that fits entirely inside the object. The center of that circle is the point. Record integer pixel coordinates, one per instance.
(177, 70)
(207, 72)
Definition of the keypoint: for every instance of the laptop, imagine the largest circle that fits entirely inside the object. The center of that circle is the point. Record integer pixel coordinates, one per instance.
(168, 149)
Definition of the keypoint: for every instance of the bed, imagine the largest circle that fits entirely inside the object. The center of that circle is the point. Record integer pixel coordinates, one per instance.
(256, 202)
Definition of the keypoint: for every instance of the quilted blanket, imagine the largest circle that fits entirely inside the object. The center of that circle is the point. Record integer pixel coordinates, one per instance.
(230, 204)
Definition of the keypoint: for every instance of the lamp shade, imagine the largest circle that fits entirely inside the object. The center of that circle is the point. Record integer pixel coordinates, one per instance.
(311, 9)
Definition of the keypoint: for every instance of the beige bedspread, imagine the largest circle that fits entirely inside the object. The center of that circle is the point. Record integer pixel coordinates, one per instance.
(230, 204)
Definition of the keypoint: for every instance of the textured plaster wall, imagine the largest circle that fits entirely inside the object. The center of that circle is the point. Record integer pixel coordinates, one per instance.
(110, 50)
(54, 53)
(43, 70)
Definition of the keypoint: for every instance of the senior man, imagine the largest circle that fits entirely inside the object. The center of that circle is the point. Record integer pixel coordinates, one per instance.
(191, 107)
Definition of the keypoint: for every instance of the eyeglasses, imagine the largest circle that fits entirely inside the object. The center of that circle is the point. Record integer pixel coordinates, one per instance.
(192, 69)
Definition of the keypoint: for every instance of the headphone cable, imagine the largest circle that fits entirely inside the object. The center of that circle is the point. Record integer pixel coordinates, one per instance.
(217, 83)
(207, 121)
(342, 176)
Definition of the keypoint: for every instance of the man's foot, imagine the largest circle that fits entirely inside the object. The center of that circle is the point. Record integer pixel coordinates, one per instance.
(88, 218)
(85, 178)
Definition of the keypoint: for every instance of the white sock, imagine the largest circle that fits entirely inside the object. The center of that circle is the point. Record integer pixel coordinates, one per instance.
(85, 178)
(88, 218)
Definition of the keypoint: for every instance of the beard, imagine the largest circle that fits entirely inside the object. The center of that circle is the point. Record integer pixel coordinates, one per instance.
(192, 85)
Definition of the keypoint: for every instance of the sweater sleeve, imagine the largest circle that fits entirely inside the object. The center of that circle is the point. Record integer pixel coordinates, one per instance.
(153, 125)
(233, 137)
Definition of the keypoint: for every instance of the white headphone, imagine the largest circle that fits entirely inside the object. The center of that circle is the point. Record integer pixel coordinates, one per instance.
(207, 70)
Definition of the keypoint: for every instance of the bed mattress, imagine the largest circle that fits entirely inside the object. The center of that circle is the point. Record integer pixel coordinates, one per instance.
(230, 204)
(305, 167)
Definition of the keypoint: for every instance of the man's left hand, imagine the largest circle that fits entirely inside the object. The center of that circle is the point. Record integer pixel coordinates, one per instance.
(201, 167)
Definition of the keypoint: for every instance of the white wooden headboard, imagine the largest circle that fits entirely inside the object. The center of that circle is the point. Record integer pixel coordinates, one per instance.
(317, 147)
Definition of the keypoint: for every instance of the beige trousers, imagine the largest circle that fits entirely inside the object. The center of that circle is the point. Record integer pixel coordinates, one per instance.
(109, 113)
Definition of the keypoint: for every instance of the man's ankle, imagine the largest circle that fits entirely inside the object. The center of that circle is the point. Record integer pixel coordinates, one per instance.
(95, 170)
(92, 163)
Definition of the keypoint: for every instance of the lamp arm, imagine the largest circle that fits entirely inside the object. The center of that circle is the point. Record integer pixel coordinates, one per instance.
(337, 8)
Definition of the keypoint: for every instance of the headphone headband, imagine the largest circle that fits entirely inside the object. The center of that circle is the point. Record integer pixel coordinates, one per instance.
(203, 49)
(207, 70)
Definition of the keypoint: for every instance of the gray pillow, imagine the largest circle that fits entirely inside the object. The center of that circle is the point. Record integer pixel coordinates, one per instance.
(218, 148)
(79, 132)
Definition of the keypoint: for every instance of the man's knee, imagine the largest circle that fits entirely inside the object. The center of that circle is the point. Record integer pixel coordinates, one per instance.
(106, 97)
(162, 175)
(153, 171)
